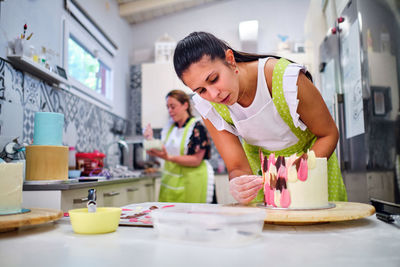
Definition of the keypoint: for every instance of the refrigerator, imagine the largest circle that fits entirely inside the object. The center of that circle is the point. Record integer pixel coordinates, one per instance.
(359, 70)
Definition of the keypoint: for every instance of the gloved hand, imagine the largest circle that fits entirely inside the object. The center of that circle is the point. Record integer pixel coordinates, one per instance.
(245, 188)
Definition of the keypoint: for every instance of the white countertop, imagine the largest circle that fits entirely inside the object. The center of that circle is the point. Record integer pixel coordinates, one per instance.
(364, 242)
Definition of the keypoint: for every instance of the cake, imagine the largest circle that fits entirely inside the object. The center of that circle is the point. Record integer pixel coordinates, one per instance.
(295, 182)
(11, 179)
(48, 129)
(47, 158)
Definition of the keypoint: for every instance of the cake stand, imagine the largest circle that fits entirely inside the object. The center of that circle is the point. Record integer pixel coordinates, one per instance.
(34, 216)
(342, 211)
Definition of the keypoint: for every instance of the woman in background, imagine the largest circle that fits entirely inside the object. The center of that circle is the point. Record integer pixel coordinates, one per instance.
(187, 175)
(250, 102)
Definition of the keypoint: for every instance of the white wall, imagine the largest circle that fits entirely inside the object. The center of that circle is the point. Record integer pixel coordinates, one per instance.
(275, 17)
(43, 18)
(315, 30)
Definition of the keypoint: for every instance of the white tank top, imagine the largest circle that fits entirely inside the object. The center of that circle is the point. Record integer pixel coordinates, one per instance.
(260, 123)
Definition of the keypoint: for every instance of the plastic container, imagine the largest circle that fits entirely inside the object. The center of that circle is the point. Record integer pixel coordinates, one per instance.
(90, 163)
(104, 220)
(209, 223)
(71, 158)
(74, 174)
(153, 143)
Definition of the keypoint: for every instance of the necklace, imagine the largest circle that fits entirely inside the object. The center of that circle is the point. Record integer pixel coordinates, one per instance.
(240, 97)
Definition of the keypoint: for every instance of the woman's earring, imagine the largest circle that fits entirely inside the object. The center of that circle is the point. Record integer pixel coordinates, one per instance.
(236, 71)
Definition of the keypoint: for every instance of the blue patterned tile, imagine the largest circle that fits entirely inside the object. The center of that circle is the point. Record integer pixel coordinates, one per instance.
(13, 80)
(86, 126)
(31, 93)
(29, 117)
(2, 80)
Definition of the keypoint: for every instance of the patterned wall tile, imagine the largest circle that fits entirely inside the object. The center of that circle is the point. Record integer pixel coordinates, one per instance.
(86, 126)
(2, 80)
(29, 116)
(12, 79)
(31, 93)
(135, 126)
(52, 99)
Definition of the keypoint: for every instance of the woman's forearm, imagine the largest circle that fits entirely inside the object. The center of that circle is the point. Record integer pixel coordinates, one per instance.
(238, 172)
(188, 160)
(325, 146)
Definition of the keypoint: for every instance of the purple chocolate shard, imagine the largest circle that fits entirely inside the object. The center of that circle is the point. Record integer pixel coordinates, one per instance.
(265, 165)
(281, 184)
(280, 161)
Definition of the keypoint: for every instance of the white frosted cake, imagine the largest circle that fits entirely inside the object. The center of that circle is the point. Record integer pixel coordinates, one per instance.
(11, 187)
(295, 182)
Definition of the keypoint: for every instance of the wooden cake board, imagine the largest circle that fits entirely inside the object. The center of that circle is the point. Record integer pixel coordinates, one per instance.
(343, 211)
(35, 216)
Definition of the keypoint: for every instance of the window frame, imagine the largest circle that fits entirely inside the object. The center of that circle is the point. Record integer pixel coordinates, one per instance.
(72, 27)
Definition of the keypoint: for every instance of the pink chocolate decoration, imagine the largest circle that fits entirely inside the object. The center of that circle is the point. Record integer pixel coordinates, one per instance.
(282, 172)
(285, 198)
(266, 192)
(271, 159)
(302, 173)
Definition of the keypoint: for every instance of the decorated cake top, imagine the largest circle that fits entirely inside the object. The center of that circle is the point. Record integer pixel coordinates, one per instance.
(277, 172)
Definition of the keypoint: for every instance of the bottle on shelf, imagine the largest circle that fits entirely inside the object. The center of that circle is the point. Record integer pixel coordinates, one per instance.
(71, 158)
(42, 57)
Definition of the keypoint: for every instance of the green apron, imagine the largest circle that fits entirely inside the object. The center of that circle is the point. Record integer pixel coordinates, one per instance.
(336, 188)
(180, 183)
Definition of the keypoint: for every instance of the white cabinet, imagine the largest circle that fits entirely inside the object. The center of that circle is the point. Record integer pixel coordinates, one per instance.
(109, 195)
(157, 80)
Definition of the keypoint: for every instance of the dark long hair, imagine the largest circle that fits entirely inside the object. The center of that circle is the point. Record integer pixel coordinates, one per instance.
(182, 98)
(193, 47)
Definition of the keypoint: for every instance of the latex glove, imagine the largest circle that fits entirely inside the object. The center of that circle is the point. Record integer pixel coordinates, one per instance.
(245, 188)
(158, 153)
(148, 132)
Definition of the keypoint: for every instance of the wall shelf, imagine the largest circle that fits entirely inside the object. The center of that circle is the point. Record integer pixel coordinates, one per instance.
(26, 64)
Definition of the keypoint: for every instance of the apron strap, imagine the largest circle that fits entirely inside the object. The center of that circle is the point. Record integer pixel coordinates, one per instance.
(185, 132)
(169, 132)
(224, 112)
(280, 103)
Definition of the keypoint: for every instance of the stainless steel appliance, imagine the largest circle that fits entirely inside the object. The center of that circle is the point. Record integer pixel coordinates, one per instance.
(135, 157)
(359, 67)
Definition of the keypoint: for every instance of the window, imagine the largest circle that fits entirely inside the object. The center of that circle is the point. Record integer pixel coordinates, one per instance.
(86, 68)
(88, 57)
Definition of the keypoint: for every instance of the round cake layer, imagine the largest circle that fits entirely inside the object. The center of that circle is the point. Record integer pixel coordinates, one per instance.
(48, 129)
(46, 163)
(11, 187)
(313, 192)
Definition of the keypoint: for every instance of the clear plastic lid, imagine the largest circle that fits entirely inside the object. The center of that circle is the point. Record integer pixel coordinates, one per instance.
(206, 214)
(209, 223)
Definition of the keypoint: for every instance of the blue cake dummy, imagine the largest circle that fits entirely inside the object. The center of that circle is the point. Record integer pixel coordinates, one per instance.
(48, 129)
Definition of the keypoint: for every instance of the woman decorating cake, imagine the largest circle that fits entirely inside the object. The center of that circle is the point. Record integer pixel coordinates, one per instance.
(187, 175)
(250, 102)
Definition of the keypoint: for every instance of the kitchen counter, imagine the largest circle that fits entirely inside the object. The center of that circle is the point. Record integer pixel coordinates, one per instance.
(364, 242)
(75, 184)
